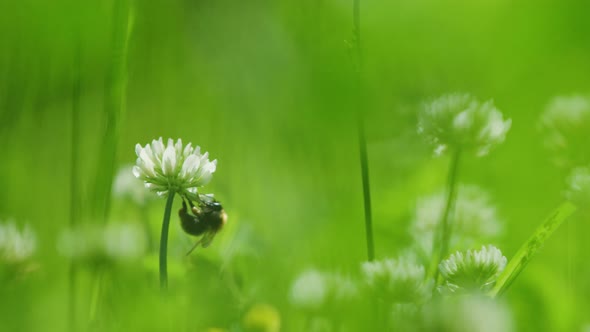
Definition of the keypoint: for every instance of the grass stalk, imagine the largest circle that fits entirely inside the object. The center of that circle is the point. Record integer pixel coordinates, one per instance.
(164, 242)
(442, 236)
(528, 250)
(74, 214)
(363, 155)
(114, 106)
(366, 193)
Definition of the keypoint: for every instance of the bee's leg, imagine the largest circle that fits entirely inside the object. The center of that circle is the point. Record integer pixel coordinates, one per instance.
(195, 246)
(182, 212)
(191, 204)
(194, 209)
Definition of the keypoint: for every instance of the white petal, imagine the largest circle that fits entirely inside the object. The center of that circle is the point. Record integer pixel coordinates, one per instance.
(205, 178)
(178, 146)
(137, 171)
(212, 166)
(138, 149)
(187, 150)
(169, 161)
(158, 148)
(197, 150)
(145, 157)
(190, 166)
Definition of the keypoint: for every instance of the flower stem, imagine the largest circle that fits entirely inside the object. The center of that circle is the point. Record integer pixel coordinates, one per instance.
(164, 242)
(451, 198)
(530, 247)
(442, 236)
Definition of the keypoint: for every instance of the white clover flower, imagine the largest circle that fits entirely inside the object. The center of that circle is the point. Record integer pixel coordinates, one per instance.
(309, 290)
(459, 121)
(578, 190)
(474, 270)
(16, 246)
(175, 167)
(399, 280)
(128, 186)
(314, 290)
(565, 124)
(97, 244)
(475, 218)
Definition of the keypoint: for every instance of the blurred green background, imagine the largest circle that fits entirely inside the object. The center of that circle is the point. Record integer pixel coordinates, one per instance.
(267, 87)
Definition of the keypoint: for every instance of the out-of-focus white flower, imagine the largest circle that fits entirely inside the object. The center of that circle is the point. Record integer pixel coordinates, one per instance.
(398, 280)
(98, 244)
(309, 290)
(459, 121)
(127, 186)
(16, 246)
(475, 218)
(313, 289)
(472, 271)
(565, 125)
(468, 314)
(175, 167)
(578, 190)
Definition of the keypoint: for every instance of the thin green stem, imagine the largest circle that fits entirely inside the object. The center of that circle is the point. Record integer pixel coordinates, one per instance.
(443, 233)
(451, 198)
(74, 178)
(531, 246)
(363, 156)
(366, 193)
(164, 242)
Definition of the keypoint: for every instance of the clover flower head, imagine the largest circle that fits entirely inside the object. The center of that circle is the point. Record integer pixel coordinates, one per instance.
(173, 167)
(459, 121)
(16, 246)
(578, 190)
(314, 290)
(565, 124)
(97, 244)
(399, 280)
(472, 271)
(475, 218)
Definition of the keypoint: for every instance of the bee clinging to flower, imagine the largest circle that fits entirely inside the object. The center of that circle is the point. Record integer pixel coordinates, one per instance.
(205, 219)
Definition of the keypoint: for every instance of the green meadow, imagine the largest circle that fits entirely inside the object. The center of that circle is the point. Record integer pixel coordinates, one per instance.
(366, 152)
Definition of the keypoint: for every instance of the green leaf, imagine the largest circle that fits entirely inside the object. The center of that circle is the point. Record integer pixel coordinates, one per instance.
(530, 247)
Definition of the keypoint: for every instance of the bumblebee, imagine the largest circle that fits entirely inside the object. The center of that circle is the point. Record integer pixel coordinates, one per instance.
(205, 220)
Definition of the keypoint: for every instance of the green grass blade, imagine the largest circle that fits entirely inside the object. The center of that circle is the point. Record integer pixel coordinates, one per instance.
(114, 106)
(530, 247)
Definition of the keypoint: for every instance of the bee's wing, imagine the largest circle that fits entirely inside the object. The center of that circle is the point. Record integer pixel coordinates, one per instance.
(208, 238)
(199, 241)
